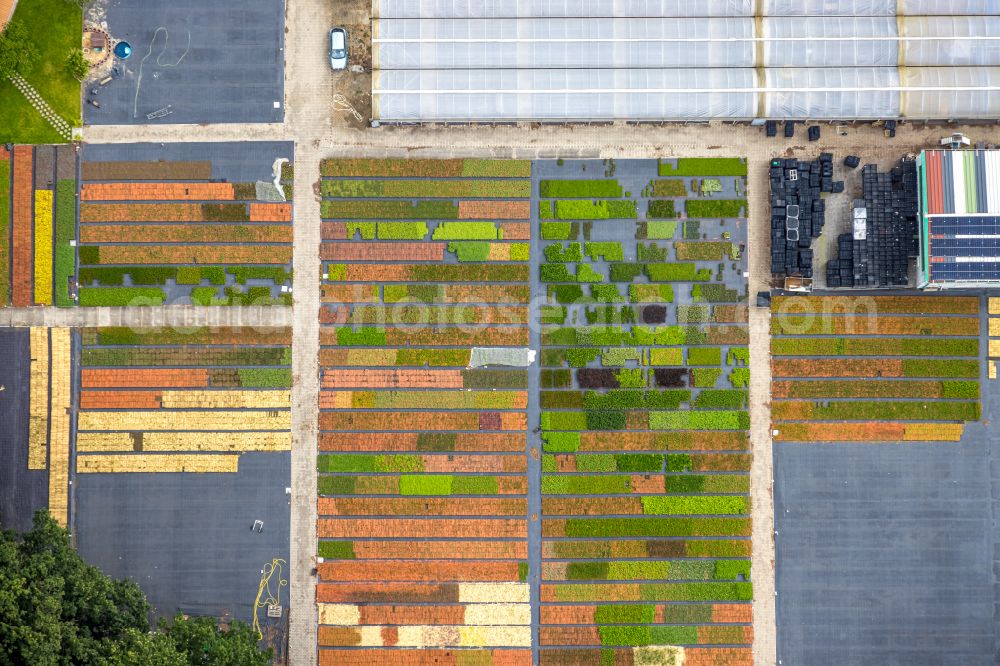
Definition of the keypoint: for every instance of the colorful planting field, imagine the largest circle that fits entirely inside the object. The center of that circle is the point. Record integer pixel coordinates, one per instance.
(209, 224)
(875, 368)
(181, 401)
(617, 529)
(37, 224)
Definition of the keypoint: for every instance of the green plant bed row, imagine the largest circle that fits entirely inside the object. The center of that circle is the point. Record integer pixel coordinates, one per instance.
(236, 296)
(837, 388)
(649, 293)
(669, 188)
(629, 570)
(559, 230)
(715, 208)
(662, 208)
(658, 272)
(705, 356)
(648, 526)
(882, 411)
(940, 368)
(710, 420)
(370, 463)
(265, 377)
(580, 189)
(874, 347)
(611, 336)
(691, 505)
(410, 485)
(596, 210)
(391, 210)
(715, 293)
(401, 167)
(185, 356)
(704, 250)
(660, 230)
(64, 232)
(704, 166)
(121, 296)
(412, 189)
(615, 399)
(644, 463)
(480, 251)
(706, 591)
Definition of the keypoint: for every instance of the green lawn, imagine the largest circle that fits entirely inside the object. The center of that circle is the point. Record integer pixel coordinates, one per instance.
(57, 28)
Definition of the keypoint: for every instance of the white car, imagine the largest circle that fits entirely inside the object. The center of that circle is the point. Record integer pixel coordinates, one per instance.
(338, 48)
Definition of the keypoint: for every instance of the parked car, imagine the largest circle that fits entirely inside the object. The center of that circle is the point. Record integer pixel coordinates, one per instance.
(338, 48)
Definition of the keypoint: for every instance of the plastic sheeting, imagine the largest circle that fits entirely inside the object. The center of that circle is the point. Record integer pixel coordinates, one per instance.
(678, 8)
(653, 94)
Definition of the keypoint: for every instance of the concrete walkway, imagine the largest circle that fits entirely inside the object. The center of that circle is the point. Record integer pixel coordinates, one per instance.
(174, 316)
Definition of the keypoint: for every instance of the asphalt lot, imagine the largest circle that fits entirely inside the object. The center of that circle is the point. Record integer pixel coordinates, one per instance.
(233, 161)
(204, 61)
(22, 491)
(186, 538)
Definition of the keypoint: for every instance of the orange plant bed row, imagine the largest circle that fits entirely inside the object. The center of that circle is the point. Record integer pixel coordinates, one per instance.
(157, 255)
(874, 325)
(411, 441)
(422, 506)
(862, 305)
(174, 233)
(156, 192)
(481, 571)
(836, 367)
(373, 251)
(120, 399)
(573, 614)
(664, 441)
(872, 431)
(461, 528)
(702, 462)
(136, 378)
(391, 550)
(154, 212)
(427, 657)
(270, 212)
(489, 210)
(22, 247)
(430, 421)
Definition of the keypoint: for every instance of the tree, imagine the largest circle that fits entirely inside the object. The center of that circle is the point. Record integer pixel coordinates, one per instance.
(57, 609)
(17, 51)
(77, 64)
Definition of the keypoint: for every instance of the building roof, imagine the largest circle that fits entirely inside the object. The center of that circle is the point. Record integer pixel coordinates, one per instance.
(960, 229)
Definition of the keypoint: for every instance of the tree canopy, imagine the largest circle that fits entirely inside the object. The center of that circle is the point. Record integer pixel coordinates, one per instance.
(57, 609)
(17, 51)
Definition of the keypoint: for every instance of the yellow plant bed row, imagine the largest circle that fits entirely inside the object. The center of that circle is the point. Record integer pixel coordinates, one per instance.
(432, 636)
(933, 432)
(349, 615)
(994, 326)
(994, 347)
(140, 462)
(104, 442)
(994, 305)
(493, 593)
(38, 402)
(226, 399)
(43, 247)
(993, 370)
(59, 426)
(460, 399)
(168, 420)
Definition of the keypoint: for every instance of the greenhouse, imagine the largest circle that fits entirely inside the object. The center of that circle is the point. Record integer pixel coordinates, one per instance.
(469, 61)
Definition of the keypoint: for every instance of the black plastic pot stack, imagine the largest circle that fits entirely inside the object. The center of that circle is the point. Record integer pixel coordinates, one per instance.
(794, 257)
(883, 258)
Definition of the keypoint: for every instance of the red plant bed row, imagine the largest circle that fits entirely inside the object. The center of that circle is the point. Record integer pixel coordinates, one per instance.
(424, 657)
(421, 506)
(22, 248)
(270, 212)
(137, 378)
(872, 431)
(482, 571)
(494, 210)
(156, 192)
(410, 441)
(349, 378)
(836, 367)
(373, 251)
(120, 399)
(182, 233)
(429, 421)
(464, 528)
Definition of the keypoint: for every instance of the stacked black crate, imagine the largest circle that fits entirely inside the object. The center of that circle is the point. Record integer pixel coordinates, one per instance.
(798, 212)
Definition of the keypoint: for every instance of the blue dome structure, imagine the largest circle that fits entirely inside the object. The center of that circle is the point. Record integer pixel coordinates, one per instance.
(123, 50)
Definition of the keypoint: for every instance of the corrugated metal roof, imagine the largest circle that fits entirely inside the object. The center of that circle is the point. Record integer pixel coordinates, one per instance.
(962, 182)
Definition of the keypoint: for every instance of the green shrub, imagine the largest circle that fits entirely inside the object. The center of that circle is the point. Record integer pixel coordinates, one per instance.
(90, 254)
(402, 230)
(520, 251)
(960, 389)
(705, 377)
(650, 293)
(241, 274)
(555, 230)
(580, 357)
(639, 462)
(704, 356)
(545, 210)
(265, 377)
(673, 635)
(596, 210)
(625, 272)
(705, 166)
(716, 207)
(555, 273)
(662, 208)
(585, 273)
(336, 550)
(703, 250)
(694, 505)
(651, 252)
(669, 188)
(692, 229)
(466, 231)
(606, 293)
(566, 293)
(425, 484)
(625, 614)
(710, 420)
(367, 229)
(121, 296)
(610, 251)
(737, 356)
(618, 357)
(561, 442)
(585, 485)
(470, 250)
(556, 253)
(732, 569)
(475, 485)
(368, 337)
(605, 420)
(739, 377)
(660, 230)
(940, 368)
(711, 186)
(631, 378)
(580, 189)
(721, 398)
(677, 272)
(552, 314)
(651, 526)
(204, 295)
(666, 356)
(626, 636)
(693, 314)
(64, 231)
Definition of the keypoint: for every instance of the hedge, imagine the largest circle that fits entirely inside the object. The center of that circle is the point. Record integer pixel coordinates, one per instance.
(466, 231)
(265, 377)
(678, 272)
(669, 188)
(470, 250)
(402, 230)
(556, 253)
(715, 207)
(739, 377)
(704, 356)
(625, 614)
(940, 368)
(625, 272)
(662, 208)
(580, 189)
(606, 293)
(721, 398)
(694, 505)
(704, 166)
(392, 210)
(585, 485)
(650, 293)
(121, 296)
(606, 251)
(596, 210)
(336, 550)
(666, 356)
(711, 420)
(651, 252)
(557, 230)
(425, 484)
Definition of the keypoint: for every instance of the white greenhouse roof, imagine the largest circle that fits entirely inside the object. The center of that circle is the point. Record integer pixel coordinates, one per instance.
(468, 60)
